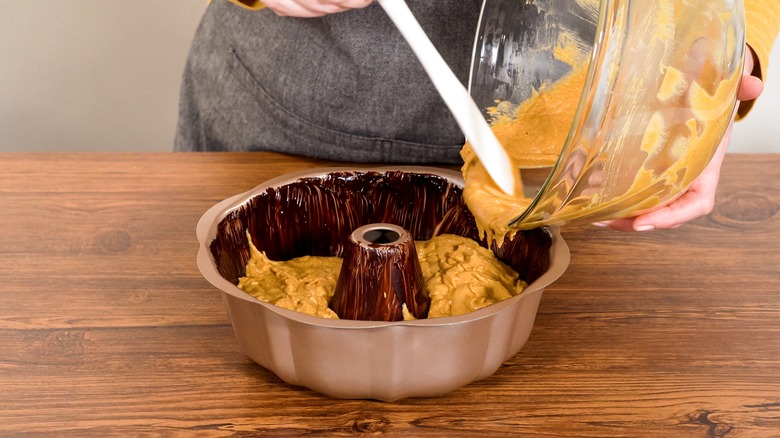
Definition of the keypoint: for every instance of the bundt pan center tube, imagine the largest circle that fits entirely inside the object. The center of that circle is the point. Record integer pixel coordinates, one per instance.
(380, 276)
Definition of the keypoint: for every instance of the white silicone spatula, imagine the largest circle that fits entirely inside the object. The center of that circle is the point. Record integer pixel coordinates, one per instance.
(458, 100)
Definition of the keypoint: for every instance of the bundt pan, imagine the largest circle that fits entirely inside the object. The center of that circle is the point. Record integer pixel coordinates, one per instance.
(314, 213)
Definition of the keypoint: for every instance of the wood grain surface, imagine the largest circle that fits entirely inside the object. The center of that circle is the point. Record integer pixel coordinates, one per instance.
(108, 329)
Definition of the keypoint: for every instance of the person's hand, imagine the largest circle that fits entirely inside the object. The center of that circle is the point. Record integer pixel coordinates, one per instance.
(313, 8)
(699, 199)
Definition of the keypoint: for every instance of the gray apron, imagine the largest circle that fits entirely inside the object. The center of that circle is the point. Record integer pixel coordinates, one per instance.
(344, 87)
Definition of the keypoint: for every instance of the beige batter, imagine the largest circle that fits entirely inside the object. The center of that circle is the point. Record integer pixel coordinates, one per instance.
(459, 275)
(304, 284)
(535, 136)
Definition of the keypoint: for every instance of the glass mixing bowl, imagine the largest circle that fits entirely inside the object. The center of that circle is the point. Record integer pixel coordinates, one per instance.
(625, 100)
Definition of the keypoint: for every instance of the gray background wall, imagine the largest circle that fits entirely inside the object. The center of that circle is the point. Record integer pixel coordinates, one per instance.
(101, 75)
(92, 75)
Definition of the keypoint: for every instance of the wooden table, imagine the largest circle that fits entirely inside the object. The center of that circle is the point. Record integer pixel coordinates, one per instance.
(107, 327)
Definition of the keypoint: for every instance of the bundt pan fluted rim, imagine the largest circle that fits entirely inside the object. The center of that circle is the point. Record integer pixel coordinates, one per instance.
(374, 359)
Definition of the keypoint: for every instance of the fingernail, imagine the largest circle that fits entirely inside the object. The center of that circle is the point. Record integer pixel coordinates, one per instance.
(644, 228)
(600, 224)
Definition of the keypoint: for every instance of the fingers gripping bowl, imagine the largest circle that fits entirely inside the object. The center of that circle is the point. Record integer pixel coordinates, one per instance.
(313, 213)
